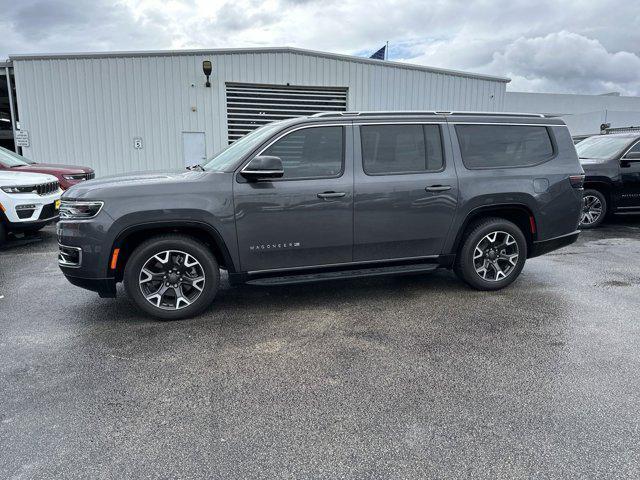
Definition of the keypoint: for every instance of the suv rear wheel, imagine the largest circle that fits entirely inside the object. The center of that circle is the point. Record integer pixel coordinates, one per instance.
(594, 208)
(492, 254)
(172, 277)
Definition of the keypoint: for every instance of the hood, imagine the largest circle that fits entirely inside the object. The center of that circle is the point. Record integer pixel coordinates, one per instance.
(9, 178)
(133, 184)
(53, 169)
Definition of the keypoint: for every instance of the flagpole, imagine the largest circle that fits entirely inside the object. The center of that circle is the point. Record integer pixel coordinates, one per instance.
(386, 51)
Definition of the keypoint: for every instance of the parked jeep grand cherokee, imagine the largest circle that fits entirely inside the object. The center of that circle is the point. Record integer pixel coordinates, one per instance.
(326, 197)
(612, 184)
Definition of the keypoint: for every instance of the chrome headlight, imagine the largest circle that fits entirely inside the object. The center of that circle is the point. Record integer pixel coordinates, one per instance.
(76, 210)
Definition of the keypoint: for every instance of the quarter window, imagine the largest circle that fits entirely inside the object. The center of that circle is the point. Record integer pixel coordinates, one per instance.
(394, 149)
(310, 153)
(501, 146)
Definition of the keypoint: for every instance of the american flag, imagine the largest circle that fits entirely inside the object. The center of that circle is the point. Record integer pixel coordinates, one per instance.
(380, 54)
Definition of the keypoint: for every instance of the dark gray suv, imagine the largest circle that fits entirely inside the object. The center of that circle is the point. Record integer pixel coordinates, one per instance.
(331, 196)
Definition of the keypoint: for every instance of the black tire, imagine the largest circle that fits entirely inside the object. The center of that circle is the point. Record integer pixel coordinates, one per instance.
(591, 198)
(207, 267)
(475, 235)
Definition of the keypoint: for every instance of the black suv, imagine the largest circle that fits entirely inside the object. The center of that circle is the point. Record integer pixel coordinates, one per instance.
(331, 196)
(612, 185)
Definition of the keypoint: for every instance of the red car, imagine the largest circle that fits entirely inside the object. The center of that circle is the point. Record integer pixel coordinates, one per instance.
(67, 175)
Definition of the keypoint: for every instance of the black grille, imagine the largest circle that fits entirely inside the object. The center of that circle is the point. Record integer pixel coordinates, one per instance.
(90, 176)
(47, 188)
(48, 211)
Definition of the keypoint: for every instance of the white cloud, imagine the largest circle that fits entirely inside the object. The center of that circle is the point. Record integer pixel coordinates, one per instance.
(569, 46)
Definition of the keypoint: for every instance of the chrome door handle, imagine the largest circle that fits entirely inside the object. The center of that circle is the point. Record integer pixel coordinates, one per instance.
(438, 188)
(326, 195)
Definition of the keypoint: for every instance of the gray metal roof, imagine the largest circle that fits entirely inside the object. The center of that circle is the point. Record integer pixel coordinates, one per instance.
(223, 51)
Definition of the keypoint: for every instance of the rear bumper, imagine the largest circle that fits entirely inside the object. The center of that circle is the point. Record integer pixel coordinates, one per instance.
(105, 287)
(545, 246)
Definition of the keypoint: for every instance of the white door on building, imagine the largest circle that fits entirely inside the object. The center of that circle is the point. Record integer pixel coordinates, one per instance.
(193, 148)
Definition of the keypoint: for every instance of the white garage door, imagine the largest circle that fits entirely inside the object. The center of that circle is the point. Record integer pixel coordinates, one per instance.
(251, 106)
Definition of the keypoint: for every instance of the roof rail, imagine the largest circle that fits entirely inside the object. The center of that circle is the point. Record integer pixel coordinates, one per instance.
(372, 113)
(495, 114)
(425, 112)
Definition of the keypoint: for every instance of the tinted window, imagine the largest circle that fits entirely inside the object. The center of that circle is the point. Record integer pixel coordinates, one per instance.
(310, 152)
(497, 146)
(635, 148)
(388, 149)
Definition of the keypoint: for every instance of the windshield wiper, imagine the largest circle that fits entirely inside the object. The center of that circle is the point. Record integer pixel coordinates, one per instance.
(196, 167)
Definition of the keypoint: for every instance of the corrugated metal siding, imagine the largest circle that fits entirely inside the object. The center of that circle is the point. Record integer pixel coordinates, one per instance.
(87, 111)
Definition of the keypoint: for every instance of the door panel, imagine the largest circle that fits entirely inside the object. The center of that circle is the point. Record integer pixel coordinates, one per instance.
(193, 148)
(629, 198)
(402, 215)
(298, 222)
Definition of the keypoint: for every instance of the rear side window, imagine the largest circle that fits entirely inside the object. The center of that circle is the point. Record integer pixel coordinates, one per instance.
(315, 152)
(395, 149)
(503, 146)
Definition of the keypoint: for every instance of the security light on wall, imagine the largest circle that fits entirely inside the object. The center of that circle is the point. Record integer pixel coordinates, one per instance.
(207, 68)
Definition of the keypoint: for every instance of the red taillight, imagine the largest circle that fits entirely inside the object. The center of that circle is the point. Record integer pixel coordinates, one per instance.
(577, 181)
(532, 224)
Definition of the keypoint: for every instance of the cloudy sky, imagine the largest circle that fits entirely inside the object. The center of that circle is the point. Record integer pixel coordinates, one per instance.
(580, 46)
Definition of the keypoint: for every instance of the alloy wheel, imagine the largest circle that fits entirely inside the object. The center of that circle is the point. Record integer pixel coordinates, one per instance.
(495, 256)
(171, 280)
(591, 210)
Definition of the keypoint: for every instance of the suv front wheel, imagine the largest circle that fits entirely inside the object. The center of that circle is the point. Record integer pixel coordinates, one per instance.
(172, 277)
(492, 255)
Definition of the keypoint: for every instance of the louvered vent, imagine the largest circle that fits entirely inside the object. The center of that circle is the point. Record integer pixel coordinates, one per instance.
(251, 106)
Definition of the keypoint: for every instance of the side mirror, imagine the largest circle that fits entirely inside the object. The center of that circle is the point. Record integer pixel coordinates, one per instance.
(263, 166)
(632, 156)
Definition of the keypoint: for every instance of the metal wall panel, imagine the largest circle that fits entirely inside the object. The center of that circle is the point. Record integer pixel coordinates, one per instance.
(87, 109)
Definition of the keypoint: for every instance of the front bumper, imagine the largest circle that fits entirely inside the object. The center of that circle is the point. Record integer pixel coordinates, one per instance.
(31, 210)
(545, 246)
(84, 250)
(105, 287)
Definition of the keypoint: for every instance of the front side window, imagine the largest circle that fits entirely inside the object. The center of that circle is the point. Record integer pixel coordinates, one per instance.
(397, 149)
(503, 146)
(634, 149)
(316, 152)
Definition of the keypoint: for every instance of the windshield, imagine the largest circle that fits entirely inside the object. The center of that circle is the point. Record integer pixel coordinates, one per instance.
(602, 147)
(10, 159)
(228, 158)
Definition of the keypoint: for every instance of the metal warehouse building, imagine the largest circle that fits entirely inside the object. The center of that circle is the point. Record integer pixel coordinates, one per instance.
(129, 111)
(583, 114)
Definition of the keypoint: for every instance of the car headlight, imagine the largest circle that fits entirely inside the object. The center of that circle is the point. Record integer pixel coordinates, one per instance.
(75, 176)
(18, 189)
(73, 210)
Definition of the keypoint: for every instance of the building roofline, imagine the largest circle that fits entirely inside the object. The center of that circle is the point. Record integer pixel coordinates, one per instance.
(223, 51)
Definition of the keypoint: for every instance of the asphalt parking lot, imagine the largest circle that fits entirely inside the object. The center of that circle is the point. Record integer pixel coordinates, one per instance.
(408, 377)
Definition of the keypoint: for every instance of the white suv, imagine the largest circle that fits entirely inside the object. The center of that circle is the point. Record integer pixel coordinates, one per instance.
(28, 201)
